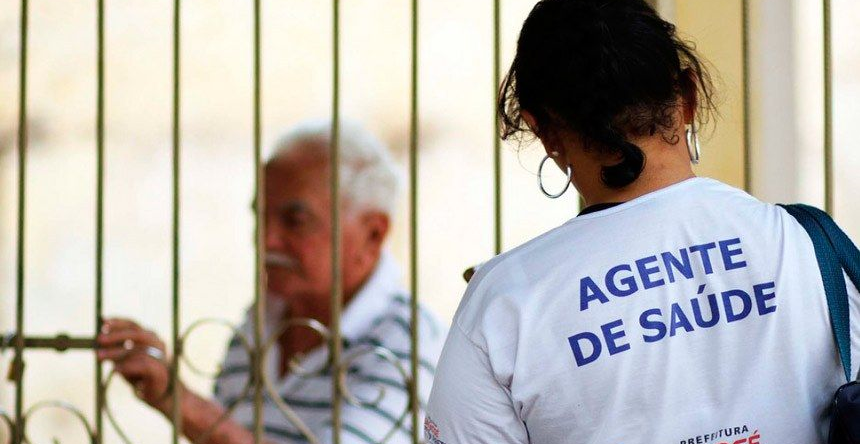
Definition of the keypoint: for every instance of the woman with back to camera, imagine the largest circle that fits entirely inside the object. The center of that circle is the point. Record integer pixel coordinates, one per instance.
(672, 309)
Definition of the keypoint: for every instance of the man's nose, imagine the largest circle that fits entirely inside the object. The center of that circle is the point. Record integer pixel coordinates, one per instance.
(273, 238)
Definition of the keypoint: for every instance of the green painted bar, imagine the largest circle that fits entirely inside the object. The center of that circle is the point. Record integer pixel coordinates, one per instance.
(259, 269)
(100, 180)
(497, 141)
(414, 403)
(176, 412)
(60, 342)
(337, 290)
(747, 96)
(18, 364)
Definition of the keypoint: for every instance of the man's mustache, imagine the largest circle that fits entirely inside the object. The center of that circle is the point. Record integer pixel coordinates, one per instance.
(280, 260)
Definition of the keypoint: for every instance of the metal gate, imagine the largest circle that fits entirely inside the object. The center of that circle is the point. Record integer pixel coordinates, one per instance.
(258, 345)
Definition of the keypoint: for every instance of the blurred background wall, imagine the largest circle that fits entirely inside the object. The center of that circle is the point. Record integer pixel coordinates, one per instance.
(456, 187)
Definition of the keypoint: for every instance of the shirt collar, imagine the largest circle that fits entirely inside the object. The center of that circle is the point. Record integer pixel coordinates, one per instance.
(357, 317)
(372, 299)
(598, 207)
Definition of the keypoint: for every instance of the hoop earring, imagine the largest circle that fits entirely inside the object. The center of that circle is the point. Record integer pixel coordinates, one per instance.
(540, 180)
(693, 146)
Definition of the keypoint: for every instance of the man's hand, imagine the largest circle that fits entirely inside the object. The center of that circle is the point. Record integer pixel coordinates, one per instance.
(140, 357)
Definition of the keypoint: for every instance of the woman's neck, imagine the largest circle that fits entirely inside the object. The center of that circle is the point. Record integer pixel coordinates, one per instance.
(665, 164)
(644, 185)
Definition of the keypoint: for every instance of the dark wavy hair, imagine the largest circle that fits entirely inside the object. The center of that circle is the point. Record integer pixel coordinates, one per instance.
(606, 70)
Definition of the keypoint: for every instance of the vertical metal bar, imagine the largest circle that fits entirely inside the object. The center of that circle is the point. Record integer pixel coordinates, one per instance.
(497, 141)
(336, 289)
(176, 412)
(413, 229)
(259, 275)
(828, 112)
(100, 167)
(22, 183)
(745, 39)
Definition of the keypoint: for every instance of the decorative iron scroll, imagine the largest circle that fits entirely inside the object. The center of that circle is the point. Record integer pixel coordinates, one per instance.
(8, 425)
(8, 422)
(389, 357)
(246, 390)
(109, 411)
(194, 369)
(295, 368)
(77, 414)
(294, 365)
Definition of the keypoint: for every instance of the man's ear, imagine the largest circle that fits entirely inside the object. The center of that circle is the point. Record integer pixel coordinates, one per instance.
(376, 225)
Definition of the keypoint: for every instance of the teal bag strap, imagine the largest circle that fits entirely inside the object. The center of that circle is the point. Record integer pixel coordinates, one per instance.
(846, 251)
(834, 252)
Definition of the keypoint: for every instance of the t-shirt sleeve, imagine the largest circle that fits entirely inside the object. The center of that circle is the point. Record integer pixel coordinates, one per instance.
(467, 403)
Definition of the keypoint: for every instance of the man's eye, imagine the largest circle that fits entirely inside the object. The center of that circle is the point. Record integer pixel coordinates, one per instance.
(295, 219)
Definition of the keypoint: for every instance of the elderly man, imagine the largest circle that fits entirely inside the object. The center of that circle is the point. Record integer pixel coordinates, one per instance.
(298, 247)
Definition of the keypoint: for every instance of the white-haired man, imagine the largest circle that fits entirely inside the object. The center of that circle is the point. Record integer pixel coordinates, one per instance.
(298, 247)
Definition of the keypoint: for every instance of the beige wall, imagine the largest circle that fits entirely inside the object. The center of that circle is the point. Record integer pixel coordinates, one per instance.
(719, 41)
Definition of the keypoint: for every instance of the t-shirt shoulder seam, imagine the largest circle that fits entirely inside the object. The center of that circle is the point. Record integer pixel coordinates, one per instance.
(468, 337)
(507, 257)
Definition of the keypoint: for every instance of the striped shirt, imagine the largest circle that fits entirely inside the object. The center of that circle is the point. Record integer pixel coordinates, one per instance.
(377, 318)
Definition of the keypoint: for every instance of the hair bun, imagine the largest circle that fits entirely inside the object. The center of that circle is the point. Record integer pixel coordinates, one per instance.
(608, 71)
(628, 170)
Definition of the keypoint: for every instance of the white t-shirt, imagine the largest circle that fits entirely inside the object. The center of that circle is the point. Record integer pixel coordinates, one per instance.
(694, 314)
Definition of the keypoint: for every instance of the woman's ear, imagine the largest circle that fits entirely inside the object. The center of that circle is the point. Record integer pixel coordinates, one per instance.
(689, 95)
(530, 120)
